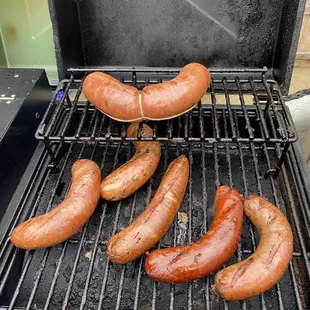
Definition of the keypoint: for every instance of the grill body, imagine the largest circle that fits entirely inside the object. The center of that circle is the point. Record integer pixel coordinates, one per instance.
(242, 132)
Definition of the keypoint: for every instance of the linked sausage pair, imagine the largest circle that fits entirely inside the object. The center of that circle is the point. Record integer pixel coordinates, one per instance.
(155, 102)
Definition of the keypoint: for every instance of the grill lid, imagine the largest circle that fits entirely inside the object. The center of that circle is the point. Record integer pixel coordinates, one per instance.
(218, 34)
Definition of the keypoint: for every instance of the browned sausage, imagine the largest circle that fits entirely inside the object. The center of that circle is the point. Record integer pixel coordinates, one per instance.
(186, 263)
(117, 100)
(156, 102)
(68, 217)
(152, 224)
(265, 267)
(177, 96)
(137, 171)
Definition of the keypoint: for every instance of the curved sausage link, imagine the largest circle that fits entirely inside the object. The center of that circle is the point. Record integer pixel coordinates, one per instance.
(186, 263)
(68, 217)
(128, 178)
(153, 223)
(266, 266)
(156, 102)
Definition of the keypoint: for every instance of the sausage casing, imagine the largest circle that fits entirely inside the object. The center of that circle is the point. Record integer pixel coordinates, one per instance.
(128, 178)
(265, 267)
(153, 223)
(69, 216)
(186, 263)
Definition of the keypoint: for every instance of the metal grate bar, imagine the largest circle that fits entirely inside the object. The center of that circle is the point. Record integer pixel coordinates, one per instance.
(228, 160)
(246, 193)
(140, 260)
(190, 205)
(82, 121)
(172, 288)
(201, 121)
(245, 112)
(170, 128)
(205, 217)
(215, 123)
(120, 287)
(261, 117)
(155, 284)
(228, 105)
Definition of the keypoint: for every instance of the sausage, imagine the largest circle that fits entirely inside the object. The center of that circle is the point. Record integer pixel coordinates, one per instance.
(177, 96)
(156, 102)
(266, 266)
(137, 171)
(152, 224)
(68, 217)
(186, 263)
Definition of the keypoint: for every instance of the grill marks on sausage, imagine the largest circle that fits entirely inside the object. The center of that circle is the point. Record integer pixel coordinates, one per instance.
(186, 263)
(69, 216)
(152, 224)
(241, 270)
(132, 175)
(273, 251)
(196, 261)
(266, 266)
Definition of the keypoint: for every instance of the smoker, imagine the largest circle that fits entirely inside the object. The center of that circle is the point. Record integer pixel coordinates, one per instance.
(240, 134)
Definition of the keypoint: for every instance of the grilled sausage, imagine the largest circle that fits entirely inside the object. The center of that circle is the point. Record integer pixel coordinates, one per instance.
(266, 266)
(186, 263)
(152, 224)
(156, 102)
(69, 216)
(137, 171)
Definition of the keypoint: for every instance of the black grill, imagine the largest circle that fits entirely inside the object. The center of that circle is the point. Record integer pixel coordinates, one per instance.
(233, 144)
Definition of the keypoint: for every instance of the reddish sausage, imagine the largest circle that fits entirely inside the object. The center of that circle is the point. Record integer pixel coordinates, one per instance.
(177, 96)
(117, 100)
(186, 263)
(152, 224)
(137, 171)
(68, 217)
(265, 267)
(156, 102)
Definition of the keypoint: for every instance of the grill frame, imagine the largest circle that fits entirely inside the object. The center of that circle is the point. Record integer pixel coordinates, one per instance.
(293, 198)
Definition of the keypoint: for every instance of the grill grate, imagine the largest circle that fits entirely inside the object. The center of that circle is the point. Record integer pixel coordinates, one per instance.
(76, 273)
(224, 96)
